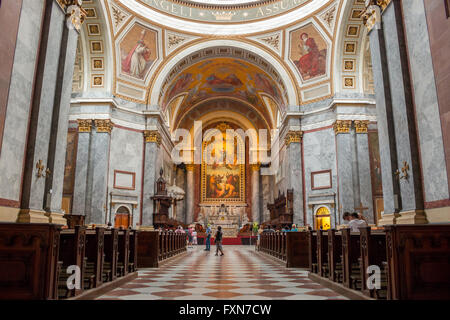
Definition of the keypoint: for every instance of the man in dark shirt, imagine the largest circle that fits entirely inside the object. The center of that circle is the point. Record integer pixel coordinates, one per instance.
(218, 239)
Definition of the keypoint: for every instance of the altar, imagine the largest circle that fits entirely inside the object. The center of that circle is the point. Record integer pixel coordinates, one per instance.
(230, 218)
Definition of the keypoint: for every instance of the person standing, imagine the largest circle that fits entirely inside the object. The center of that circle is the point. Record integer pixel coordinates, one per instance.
(218, 240)
(208, 238)
(194, 237)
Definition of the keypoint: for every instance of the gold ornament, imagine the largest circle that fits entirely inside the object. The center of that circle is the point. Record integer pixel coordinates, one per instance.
(342, 126)
(152, 136)
(361, 126)
(293, 137)
(84, 125)
(103, 125)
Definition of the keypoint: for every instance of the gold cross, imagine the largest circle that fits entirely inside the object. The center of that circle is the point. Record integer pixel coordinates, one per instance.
(361, 208)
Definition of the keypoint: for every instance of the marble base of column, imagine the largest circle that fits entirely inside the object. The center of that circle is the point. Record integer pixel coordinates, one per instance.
(390, 218)
(412, 217)
(57, 218)
(32, 216)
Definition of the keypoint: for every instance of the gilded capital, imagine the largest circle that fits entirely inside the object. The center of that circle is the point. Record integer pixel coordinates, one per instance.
(190, 167)
(103, 125)
(383, 4)
(255, 166)
(152, 136)
(361, 126)
(342, 126)
(372, 15)
(84, 125)
(75, 14)
(293, 137)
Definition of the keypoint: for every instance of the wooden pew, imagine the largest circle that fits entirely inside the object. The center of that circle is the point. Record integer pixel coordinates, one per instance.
(283, 246)
(124, 252)
(151, 243)
(28, 261)
(111, 253)
(322, 253)
(71, 252)
(418, 260)
(133, 250)
(373, 252)
(94, 253)
(334, 255)
(313, 267)
(297, 249)
(350, 259)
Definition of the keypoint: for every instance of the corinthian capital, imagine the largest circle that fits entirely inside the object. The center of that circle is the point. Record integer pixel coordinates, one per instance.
(152, 136)
(342, 126)
(293, 137)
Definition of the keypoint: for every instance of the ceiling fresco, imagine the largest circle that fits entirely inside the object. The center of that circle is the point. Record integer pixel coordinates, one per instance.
(225, 77)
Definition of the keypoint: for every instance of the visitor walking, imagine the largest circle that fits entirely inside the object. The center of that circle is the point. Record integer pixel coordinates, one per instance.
(208, 238)
(218, 239)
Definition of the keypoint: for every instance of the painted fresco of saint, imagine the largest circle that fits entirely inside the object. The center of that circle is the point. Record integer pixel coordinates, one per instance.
(138, 59)
(312, 62)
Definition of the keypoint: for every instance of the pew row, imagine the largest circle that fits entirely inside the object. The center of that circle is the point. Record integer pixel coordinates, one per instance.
(38, 261)
(409, 262)
(156, 246)
(289, 247)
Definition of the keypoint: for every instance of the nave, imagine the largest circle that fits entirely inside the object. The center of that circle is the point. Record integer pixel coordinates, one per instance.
(241, 274)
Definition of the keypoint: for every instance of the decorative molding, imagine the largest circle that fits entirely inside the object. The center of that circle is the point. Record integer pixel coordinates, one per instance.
(273, 41)
(361, 126)
(84, 125)
(103, 125)
(255, 166)
(342, 126)
(117, 185)
(293, 137)
(75, 14)
(152, 136)
(174, 40)
(328, 18)
(119, 17)
(190, 167)
(318, 181)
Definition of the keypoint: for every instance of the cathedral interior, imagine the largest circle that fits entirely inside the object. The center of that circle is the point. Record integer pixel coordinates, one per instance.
(121, 113)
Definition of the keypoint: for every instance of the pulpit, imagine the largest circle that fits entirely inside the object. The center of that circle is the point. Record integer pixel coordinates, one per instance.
(282, 210)
(162, 203)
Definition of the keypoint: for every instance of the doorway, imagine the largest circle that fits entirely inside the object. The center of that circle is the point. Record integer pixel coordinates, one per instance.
(323, 218)
(122, 218)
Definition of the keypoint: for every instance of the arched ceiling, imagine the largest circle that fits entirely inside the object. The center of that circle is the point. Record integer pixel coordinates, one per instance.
(226, 78)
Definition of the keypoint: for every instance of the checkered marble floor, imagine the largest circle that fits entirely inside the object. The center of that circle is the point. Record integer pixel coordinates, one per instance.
(241, 274)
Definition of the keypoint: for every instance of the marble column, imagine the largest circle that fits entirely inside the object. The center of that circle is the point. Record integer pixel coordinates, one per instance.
(294, 179)
(364, 177)
(60, 122)
(255, 193)
(267, 194)
(34, 199)
(82, 168)
(409, 173)
(190, 193)
(99, 159)
(345, 149)
(385, 120)
(152, 143)
(181, 212)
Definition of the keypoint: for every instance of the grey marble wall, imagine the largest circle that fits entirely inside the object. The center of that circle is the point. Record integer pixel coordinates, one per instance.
(126, 154)
(181, 182)
(319, 150)
(19, 99)
(426, 103)
(255, 196)
(79, 206)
